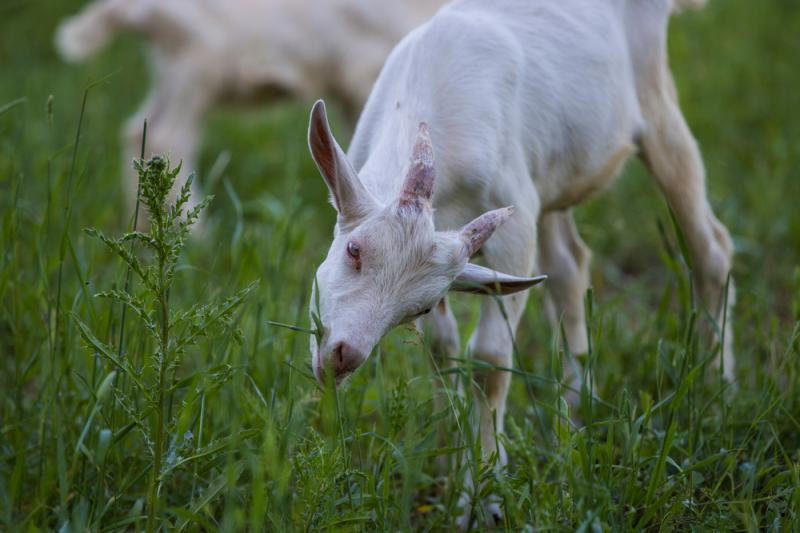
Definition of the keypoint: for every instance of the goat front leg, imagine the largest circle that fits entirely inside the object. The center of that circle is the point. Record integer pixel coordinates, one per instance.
(670, 152)
(565, 258)
(511, 250)
(441, 330)
(441, 335)
(493, 343)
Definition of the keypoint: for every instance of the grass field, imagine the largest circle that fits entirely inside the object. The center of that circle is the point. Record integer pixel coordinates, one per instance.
(251, 443)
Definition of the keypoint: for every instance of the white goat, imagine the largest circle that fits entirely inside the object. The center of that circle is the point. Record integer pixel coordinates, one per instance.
(206, 52)
(530, 103)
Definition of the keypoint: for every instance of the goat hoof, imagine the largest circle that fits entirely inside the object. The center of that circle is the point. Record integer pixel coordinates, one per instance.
(470, 518)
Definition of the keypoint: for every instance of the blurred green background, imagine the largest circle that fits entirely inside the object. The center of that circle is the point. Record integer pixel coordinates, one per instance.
(736, 66)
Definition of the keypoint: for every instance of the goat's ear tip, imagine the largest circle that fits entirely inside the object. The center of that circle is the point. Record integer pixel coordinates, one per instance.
(318, 121)
(527, 283)
(318, 109)
(482, 280)
(531, 281)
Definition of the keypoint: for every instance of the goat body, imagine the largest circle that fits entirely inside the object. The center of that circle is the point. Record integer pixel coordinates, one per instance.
(529, 103)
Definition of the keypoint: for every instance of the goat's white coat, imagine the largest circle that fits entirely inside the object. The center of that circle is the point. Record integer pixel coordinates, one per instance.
(534, 104)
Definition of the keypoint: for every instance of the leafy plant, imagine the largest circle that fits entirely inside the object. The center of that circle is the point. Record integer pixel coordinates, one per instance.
(172, 331)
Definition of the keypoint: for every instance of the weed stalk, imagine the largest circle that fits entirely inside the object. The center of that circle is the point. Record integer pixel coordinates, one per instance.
(173, 331)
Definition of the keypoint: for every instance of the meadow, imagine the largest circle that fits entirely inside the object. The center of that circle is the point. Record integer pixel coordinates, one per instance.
(247, 439)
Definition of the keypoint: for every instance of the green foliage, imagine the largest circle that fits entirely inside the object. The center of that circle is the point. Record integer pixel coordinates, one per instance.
(250, 442)
(173, 332)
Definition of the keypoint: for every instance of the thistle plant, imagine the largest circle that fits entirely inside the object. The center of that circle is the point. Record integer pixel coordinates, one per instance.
(153, 257)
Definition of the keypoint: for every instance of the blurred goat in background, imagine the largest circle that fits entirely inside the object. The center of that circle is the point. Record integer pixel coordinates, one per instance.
(206, 52)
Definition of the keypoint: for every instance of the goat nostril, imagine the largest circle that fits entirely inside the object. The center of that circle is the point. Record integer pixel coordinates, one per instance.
(343, 359)
(338, 356)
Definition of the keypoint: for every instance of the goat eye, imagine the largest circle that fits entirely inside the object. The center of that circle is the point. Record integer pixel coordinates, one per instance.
(353, 250)
(424, 312)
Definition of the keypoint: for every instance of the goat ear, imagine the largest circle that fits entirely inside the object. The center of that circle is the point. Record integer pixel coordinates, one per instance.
(482, 280)
(348, 194)
(418, 186)
(479, 230)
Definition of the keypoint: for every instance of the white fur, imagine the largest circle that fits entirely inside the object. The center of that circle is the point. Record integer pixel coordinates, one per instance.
(206, 52)
(530, 103)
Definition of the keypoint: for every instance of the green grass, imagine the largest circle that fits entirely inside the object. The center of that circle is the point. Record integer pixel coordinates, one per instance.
(252, 443)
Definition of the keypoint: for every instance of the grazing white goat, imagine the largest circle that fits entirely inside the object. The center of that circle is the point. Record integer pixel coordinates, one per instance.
(207, 52)
(530, 103)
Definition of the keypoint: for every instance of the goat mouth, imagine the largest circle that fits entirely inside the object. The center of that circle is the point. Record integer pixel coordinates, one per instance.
(341, 378)
(321, 373)
(337, 381)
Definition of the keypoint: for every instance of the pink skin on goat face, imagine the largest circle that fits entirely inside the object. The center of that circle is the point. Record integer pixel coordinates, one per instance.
(387, 264)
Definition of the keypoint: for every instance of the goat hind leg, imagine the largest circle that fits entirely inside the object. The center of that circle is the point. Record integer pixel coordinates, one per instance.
(670, 152)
